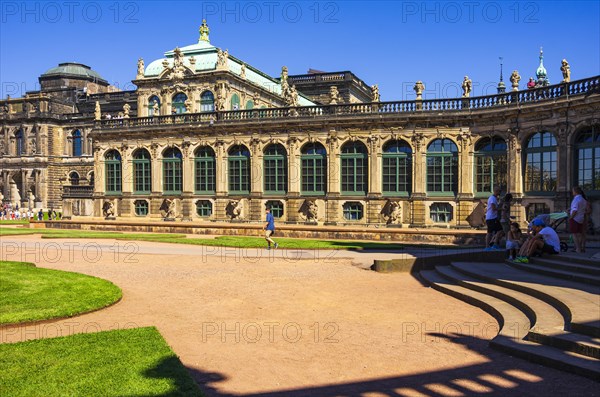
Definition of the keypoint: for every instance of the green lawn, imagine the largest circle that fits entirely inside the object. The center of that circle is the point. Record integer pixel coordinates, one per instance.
(29, 293)
(134, 362)
(225, 241)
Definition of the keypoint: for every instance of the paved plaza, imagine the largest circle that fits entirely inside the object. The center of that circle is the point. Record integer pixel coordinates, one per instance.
(253, 322)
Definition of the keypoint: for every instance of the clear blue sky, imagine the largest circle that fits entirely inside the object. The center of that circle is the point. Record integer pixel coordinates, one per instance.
(392, 44)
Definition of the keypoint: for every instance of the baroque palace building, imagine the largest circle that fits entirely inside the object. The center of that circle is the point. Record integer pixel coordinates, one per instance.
(208, 137)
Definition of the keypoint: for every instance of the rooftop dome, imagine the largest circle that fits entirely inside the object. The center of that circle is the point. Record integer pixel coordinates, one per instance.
(75, 70)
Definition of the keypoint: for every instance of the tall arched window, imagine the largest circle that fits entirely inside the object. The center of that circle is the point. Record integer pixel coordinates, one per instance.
(172, 171)
(314, 169)
(154, 100)
(442, 167)
(235, 102)
(179, 102)
(204, 170)
(540, 163)
(354, 168)
(142, 172)
(74, 178)
(77, 143)
(275, 169)
(239, 170)
(19, 143)
(249, 105)
(397, 168)
(490, 164)
(207, 102)
(587, 158)
(112, 164)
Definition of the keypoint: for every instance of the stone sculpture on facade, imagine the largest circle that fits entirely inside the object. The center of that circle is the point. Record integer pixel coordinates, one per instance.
(310, 211)
(126, 109)
(514, 80)
(140, 69)
(221, 90)
(334, 95)
(168, 209)
(30, 199)
(222, 57)
(97, 113)
(243, 71)
(375, 93)
(419, 88)
(467, 86)
(108, 209)
(32, 146)
(284, 80)
(392, 212)
(566, 71)
(155, 109)
(234, 209)
(188, 105)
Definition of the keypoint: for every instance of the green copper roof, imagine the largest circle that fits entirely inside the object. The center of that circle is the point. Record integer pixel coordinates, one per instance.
(541, 70)
(73, 69)
(205, 55)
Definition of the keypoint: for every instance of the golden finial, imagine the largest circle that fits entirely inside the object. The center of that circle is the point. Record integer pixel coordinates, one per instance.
(204, 31)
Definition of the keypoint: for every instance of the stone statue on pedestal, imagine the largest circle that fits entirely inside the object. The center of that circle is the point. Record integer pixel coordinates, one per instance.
(140, 69)
(514, 79)
(392, 212)
(234, 209)
(334, 95)
(168, 209)
(467, 86)
(375, 93)
(97, 113)
(126, 109)
(566, 71)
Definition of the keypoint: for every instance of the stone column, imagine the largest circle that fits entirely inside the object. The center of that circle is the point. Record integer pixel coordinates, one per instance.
(188, 181)
(419, 194)
(515, 175)
(465, 176)
(256, 179)
(333, 180)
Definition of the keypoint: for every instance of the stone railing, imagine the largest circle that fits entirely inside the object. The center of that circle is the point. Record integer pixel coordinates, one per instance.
(490, 102)
(78, 191)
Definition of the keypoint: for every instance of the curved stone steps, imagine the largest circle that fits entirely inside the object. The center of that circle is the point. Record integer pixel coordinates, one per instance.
(578, 303)
(559, 273)
(514, 326)
(568, 266)
(547, 322)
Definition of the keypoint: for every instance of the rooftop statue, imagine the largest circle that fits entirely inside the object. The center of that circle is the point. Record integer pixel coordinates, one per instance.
(566, 71)
(467, 86)
(514, 79)
(419, 88)
(375, 93)
(140, 69)
(97, 113)
(334, 95)
(204, 31)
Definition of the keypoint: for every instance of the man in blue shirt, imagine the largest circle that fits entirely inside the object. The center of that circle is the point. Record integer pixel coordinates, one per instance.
(270, 229)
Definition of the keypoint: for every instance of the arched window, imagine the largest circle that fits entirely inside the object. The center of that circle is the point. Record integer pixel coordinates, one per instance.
(154, 100)
(74, 178)
(91, 180)
(354, 168)
(540, 163)
(490, 164)
(77, 142)
(207, 102)
(204, 170)
(587, 158)
(314, 169)
(239, 170)
(235, 102)
(249, 105)
(397, 168)
(19, 143)
(172, 171)
(142, 172)
(275, 169)
(179, 103)
(442, 167)
(112, 163)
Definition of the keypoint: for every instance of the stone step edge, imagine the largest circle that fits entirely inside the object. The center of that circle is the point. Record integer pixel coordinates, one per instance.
(578, 277)
(518, 347)
(560, 265)
(560, 340)
(572, 325)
